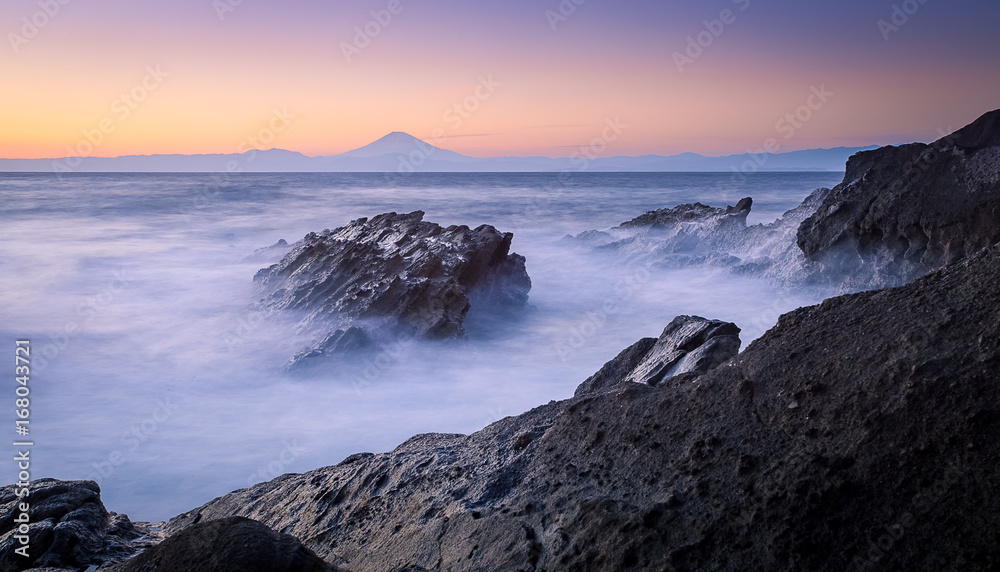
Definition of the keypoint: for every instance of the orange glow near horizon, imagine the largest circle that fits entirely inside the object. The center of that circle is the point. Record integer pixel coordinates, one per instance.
(221, 81)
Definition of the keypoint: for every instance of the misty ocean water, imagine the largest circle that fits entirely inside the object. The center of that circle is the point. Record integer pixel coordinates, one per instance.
(153, 376)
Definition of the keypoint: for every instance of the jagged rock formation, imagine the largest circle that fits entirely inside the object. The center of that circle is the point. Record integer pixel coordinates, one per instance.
(862, 433)
(392, 275)
(689, 344)
(270, 254)
(698, 213)
(903, 211)
(900, 213)
(679, 236)
(69, 527)
(696, 234)
(231, 544)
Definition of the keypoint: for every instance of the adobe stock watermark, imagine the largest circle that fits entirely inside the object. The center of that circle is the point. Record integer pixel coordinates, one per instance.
(882, 540)
(87, 312)
(132, 439)
(455, 116)
(122, 108)
(276, 124)
(32, 25)
(223, 7)
(899, 17)
(787, 126)
(562, 13)
(364, 35)
(582, 157)
(625, 289)
(290, 451)
(376, 366)
(698, 43)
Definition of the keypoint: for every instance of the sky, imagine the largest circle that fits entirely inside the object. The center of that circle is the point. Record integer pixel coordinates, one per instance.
(519, 77)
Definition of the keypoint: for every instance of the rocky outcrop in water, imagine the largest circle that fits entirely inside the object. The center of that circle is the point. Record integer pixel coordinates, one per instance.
(900, 213)
(699, 235)
(679, 236)
(270, 254)
(68, 527)
(231, 544)
(392, 275)
(859, 434)
(903, 211)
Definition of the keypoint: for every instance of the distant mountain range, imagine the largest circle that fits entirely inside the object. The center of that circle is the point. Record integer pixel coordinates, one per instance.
(400, 152)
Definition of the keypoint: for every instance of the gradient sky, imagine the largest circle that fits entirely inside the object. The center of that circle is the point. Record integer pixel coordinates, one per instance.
(227, 76)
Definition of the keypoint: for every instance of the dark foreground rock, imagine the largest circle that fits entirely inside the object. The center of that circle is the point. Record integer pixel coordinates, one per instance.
(393, 275)
(231, 544)
(69, 527)
(859, 434)
(903, 211)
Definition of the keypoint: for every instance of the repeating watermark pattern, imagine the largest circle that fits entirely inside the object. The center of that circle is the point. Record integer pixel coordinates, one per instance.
(279, 121)
(366, 34)
(899, 17)
(32, 25)
(494, 414)
(787, 127)
(376, 366)
(790, 124)
(455, 116)
(290, 451)
(22, 408)
(122, 108)
(625, 289)
(932, 154)
(246, 325)
(879, 541)
(132, 439)
(704, 39)
(581, 158)
(223, 7)
(562, 13)
(86, 312)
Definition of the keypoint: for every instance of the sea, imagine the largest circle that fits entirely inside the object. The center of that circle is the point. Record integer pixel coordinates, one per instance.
(152, 374)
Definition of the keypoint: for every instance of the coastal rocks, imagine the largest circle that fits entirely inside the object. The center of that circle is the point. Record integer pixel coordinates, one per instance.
(680, 236)
(862, 433)
(269, 254)
(227, 545)
(903, 211)
(899, 213)
(699, 235)
(689, 344)
(392, 275)
(69, 527)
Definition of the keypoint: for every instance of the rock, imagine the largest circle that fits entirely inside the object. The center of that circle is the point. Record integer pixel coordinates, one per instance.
(679, 236)
(227, 545)
(735, 216)
(615, 371)
(69, 527)
(696, 234)
(689, 344)
(904, 211)
(888, 459)
(394, 275)
(270, 254)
